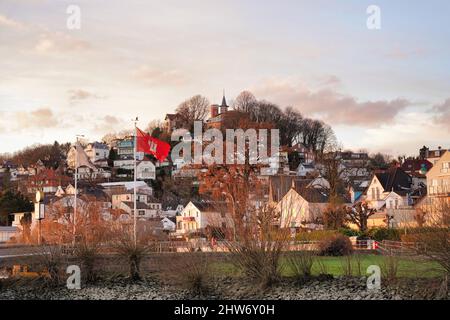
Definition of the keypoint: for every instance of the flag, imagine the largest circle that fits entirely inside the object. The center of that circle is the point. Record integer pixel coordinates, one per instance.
(82, 158)
(150, 145)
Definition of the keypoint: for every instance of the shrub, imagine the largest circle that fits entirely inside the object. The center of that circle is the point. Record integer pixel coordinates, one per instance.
(316, 235)
(195, 273)
(350, 232)
(346, 266)
(301, 264)
(87, 254)
(337, 245)
(389, 268)
(381, 234)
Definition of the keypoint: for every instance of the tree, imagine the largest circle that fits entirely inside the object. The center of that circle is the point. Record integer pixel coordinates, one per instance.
(193, 109)
(359, 215)
(332, 171)
(335, 216)
(379, 161)
(245, 102)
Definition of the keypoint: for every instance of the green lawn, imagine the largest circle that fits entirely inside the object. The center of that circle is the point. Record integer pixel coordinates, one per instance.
(407, 267)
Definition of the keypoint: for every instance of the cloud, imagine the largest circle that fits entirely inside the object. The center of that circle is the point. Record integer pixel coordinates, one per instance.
(42, 118)
(51, 42)
(10, 23)
(80, 95)
(158, 77)
(332, 106)
(442, 113)
(109, 123)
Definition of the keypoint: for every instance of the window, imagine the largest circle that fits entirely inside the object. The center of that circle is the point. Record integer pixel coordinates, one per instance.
(141, 212)
(378, 194)
(396, 203)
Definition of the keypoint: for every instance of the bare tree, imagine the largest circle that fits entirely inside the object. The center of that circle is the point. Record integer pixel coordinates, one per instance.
(359, 215)
(193, 109)
(245, 101)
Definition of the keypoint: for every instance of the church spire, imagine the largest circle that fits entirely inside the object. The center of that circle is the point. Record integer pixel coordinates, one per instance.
(224, 101)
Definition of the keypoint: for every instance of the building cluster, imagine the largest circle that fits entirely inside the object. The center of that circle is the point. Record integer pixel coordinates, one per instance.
(300, 191)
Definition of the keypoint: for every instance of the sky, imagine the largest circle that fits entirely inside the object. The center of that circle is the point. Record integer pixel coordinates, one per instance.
(384, 90)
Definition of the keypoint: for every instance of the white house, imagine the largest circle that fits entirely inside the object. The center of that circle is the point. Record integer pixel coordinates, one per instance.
(196, 216)
(168, 224)
(387, 186)
(301, 209)
(145, 170)
(97, 151)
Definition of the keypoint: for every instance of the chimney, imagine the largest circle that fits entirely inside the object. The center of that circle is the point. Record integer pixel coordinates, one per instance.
(214, 110)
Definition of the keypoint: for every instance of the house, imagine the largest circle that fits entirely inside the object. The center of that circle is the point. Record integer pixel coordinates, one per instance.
(306, 155)
(125, 149)
(144, 210)
(97, 151)
(8, 233)
(126, 187)
(222, 118)
(393, 184)
(417, 169)
(47, 180)
(302, 209)
(169, 212)
(169, 224)
(431, 155)
(196, 216)
(145, 170)
(438, 185)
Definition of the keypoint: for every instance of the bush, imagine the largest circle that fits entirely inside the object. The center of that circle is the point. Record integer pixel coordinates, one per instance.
(337, 245)
(380, 234)
(195, 273)
(350, 232)
(316, 235)
(301, 264)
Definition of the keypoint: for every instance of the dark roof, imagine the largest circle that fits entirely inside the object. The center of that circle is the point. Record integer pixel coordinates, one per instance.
(139, 205)
(415, 165)
(395, 179)
(209, 205)
(280, 185)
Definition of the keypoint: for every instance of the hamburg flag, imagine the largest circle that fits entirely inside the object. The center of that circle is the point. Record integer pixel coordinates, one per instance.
(147, 144)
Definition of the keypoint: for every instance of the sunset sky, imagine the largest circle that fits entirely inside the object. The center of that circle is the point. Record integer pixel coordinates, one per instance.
(381, 90)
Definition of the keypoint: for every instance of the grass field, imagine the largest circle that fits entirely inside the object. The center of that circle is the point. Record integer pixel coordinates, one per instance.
(407, 267)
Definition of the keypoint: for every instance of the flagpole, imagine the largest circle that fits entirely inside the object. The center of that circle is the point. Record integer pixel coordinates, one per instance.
(76, 189)
(135, 169)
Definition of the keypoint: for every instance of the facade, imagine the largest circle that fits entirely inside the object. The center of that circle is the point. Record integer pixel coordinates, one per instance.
(97, 151)
(383, 184)
(125, 149)
(196, 216)
(431, 155)
(301, 209)
(47, 181)
(438, 185)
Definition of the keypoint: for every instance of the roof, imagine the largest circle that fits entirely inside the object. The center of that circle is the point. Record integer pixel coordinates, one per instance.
(209, 205)
(99, 145)
(9, 229)
(139, 205)
(415, 165)
(395, 179)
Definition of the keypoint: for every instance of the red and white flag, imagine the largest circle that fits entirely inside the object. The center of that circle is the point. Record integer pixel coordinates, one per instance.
(150, 145)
